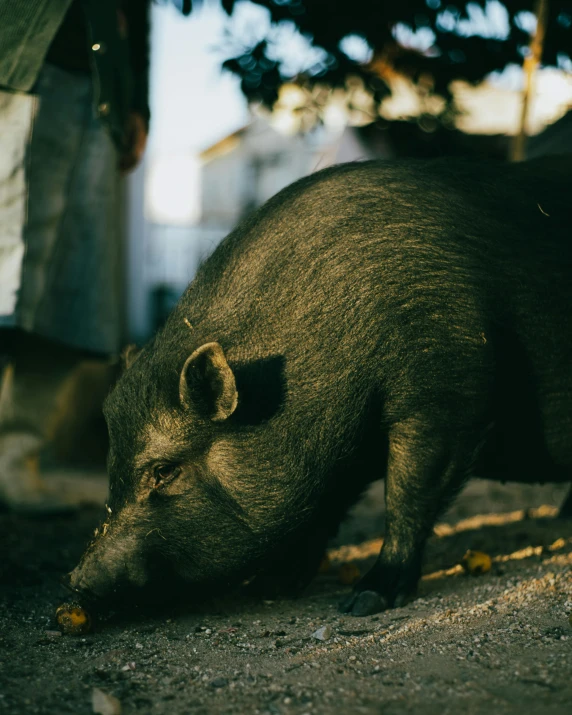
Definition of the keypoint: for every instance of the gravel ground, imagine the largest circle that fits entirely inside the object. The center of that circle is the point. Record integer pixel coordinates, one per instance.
(496, 643)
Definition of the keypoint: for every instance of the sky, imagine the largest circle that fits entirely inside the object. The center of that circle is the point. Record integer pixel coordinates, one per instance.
(194, 102)
(193, 105)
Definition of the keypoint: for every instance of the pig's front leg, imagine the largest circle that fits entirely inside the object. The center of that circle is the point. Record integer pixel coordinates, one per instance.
(426, 467)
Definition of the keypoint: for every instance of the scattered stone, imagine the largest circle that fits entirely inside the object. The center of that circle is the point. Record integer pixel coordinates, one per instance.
(323, 633)
(219, 682)
(103, 703)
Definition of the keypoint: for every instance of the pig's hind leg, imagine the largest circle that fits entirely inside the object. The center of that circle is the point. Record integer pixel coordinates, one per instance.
(427, 465)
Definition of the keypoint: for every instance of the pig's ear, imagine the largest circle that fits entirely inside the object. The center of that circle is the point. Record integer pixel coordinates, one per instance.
(208, 382)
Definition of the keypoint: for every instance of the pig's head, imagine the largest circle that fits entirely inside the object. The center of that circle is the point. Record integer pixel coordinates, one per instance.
(185, 478)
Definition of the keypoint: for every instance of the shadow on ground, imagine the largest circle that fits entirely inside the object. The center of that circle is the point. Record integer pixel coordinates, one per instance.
(500, 642)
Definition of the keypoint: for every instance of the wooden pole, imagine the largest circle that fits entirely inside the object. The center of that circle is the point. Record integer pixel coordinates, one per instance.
(530, 65)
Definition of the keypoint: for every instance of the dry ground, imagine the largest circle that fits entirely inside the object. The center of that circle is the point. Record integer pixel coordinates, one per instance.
(497, 643)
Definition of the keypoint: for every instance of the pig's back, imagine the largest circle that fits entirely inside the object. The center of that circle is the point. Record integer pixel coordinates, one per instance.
(361, 239)
(405, 279)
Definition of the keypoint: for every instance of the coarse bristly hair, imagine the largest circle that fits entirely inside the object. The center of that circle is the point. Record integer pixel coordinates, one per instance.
(407, 320)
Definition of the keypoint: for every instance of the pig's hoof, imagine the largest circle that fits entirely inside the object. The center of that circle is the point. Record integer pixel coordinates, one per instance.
(364, 603)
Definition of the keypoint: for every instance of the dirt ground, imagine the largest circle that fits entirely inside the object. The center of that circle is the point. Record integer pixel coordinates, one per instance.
(496, 643)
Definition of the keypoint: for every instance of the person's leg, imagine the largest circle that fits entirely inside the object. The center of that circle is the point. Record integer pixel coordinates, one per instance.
(71, 281)
(69, 290)
(32, 384)
(36, 391)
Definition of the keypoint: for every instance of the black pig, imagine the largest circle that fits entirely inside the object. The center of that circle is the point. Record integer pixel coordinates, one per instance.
(409, 321)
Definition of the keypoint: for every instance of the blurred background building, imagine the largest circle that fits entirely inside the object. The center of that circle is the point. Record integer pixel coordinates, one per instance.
(211, 160)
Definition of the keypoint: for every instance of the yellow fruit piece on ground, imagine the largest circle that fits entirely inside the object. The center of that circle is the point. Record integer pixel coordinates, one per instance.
(476, 562)
(73, 619)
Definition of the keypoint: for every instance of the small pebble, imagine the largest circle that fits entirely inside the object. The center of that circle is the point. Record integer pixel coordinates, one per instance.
(103, 703)
(219, 682)
(323, 633)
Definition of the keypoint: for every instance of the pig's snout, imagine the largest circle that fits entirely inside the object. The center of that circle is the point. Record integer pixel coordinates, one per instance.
(109, 565)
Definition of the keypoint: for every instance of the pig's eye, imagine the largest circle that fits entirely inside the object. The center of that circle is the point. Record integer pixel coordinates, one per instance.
(165, 473)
